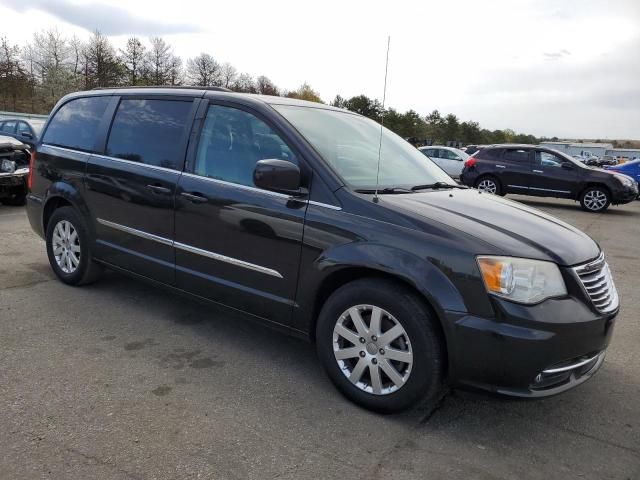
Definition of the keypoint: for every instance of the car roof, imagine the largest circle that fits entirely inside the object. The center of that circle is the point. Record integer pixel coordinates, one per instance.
(511, 145)
(438, 146)
(208, 92)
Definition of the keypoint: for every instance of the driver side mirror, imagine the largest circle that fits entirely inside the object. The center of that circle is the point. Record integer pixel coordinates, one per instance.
(26, 135)
(567, 166)
(278, 176)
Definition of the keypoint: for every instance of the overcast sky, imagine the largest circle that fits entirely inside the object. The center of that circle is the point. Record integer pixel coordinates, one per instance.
(569, 68)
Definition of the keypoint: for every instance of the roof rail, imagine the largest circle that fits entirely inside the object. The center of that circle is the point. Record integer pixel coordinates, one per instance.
(178, 87)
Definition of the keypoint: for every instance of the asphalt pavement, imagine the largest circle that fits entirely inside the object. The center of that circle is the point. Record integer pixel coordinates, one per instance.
(120, 380)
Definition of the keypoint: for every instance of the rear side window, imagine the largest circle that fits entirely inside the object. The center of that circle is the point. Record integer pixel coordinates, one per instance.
(75, 124)
(516, 155)
(9, 127)
(149, 132)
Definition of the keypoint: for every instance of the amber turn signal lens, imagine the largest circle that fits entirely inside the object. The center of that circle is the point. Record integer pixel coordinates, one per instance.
(491, 270)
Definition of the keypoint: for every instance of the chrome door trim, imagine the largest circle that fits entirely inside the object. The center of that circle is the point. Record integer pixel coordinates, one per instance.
(230, 260)
(259, 190)
(238, 185)
(137, 233)
(140, 164)
(324, 205)
(549, 190)
(62, 149)
(190, 249)
(518, 186)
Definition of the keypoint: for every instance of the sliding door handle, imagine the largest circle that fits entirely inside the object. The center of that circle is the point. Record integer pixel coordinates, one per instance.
(159, 189)
(195, 197)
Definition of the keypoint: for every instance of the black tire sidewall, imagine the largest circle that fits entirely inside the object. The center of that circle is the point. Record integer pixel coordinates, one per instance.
(590, 189)
(425, 380)
(70, 214)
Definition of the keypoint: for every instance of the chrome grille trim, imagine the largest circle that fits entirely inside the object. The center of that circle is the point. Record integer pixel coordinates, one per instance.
(597, 282)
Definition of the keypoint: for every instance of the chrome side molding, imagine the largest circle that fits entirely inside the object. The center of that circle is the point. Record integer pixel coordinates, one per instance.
(191, 249)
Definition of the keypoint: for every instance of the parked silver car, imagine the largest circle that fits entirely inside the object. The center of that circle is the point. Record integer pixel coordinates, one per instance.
(450, 159)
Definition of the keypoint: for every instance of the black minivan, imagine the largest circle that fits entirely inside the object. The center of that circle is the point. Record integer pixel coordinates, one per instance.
(404, 280)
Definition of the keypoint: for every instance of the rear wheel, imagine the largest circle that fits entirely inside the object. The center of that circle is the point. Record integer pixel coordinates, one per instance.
(380, 346)
(489, 184)
(69, 248)
(595, 199)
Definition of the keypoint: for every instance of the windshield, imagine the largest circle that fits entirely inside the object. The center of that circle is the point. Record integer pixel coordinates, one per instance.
(568, 158)
(349, 143)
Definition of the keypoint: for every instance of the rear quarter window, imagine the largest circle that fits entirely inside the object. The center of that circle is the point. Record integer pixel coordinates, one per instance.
(75, 124)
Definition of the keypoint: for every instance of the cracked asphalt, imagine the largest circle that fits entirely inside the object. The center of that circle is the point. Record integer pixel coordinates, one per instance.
(119, 380)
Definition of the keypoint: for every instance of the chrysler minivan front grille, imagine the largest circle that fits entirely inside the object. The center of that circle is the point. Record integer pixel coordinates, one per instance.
(597, 281)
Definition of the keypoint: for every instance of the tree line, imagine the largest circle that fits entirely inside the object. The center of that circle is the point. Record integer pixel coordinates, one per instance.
(34, 76)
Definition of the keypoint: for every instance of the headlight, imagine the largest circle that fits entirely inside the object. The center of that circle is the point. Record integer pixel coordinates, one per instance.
(8, 166)
(520, 279)
(624, 180)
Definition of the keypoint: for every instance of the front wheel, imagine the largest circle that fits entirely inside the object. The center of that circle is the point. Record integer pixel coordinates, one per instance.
(69, 248)
(595, 199)
(380, 346)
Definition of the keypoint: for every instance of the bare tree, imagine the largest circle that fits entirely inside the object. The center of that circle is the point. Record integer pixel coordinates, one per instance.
(133, 58)
(204, 71)
(11, 74)
(244, 83)
(160, 59)
(102, 68)
(266, 87)
(229, 75)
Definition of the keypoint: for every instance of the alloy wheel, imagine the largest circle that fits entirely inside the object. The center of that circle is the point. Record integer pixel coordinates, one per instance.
(488, 186)
(65, 244)
(372, 349)
(595, 200)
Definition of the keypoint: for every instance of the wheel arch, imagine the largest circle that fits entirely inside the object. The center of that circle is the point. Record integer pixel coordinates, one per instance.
(59, 195)
(417, 274)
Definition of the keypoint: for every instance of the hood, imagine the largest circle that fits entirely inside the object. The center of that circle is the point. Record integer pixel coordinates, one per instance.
(512, 228)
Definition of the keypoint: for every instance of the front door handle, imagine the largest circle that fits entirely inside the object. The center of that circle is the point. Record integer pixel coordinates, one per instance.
(159, 189)
(195, 197)
(538, 171)
(500, 166)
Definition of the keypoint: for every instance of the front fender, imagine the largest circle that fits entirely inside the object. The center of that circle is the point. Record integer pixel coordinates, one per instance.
(421, 273)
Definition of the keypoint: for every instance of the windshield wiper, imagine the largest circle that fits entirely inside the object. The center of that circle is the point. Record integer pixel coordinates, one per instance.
(436, 186)
(386, 190)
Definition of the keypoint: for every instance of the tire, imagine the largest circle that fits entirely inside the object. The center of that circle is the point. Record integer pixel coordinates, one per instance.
(595, 199)
(418, 380)
(489, 184)
(80, 268)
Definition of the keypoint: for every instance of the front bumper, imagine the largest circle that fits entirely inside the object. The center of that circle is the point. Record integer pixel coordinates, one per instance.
(528, 351)
(14, 182)
(625, 195)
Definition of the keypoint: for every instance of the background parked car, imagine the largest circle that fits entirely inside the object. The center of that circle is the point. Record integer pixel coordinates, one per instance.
(609, 160)
(542, 172)
(450, 159)
(14, 169)
(26, 132)
(631, 169)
